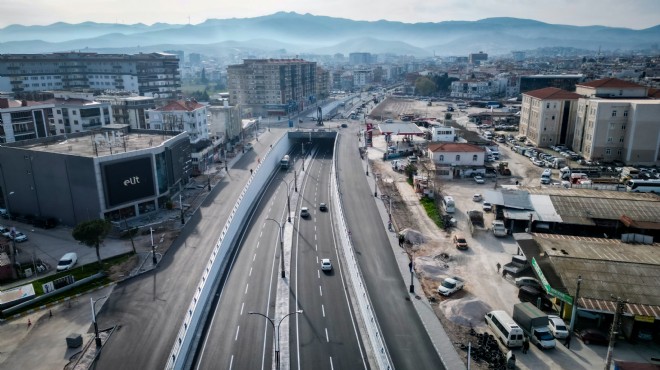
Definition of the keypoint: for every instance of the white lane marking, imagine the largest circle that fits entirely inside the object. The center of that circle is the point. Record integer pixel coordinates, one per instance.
(254, 257)
(246, 288)
(332, 367)
(231, 362)
(261, 234)
(315, 237)
(250, 274)
(321, 291)
(316, 247)
(323, 309)
(318, 274)
(242, 306)
(238, 328)
(327, 338)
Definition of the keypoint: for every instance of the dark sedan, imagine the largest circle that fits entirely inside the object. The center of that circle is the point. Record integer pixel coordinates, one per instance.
(594, 336)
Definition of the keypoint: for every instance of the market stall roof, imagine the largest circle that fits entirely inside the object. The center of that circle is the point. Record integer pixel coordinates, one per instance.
(400, 128)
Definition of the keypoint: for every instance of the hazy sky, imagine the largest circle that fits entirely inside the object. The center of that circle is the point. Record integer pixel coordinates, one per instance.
(636, 14)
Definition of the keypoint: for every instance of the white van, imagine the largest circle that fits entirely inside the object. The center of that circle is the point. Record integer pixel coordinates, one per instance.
(448, 203)
(505, 329)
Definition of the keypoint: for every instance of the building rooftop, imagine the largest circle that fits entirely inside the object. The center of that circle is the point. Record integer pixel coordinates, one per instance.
(455, 147)
(400, 128)
(181, 105)
(609, 83)
(98, 143)
(553, 93)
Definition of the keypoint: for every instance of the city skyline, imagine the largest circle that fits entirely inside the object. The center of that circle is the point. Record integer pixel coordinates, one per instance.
(636, 14)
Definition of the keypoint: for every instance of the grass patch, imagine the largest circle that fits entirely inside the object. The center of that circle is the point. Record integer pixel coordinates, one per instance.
(432, 211)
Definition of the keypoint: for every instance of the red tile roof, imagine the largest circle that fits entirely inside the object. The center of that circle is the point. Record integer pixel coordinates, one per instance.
(654, 93)
(179, 105)
(455, 147)
(609, 82)
(552, 93)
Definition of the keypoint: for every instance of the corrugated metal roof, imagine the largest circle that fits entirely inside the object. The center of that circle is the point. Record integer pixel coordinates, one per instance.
(516, 199)
(544, 208)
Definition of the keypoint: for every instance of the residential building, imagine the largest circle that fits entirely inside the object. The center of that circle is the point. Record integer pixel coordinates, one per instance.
(471, 89)
(178, 116)
(443, 133)
(477, 58)
(272, 86)
(357, 59)
(153, 74)
(129, 110)
(547, 116)
(24, 120)
(362, 77)
(224, 122)
(535, 82)
(615, 121)
(79, 115)
(456, 160)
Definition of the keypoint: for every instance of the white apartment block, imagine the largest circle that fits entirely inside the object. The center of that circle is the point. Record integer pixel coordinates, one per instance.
(616, 122)
(224, 122)
(79, 115)
(129, 110)
(24, 120)
(547, 116)
(473, 89)
(443, 134)
(362, 77)
(153, 74)
(455, 160)
(180, 116)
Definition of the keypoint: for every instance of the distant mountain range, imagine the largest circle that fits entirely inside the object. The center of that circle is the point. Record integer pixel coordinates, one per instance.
(295, 33)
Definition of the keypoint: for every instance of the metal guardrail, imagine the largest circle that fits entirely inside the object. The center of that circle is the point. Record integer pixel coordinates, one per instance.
(364, 302)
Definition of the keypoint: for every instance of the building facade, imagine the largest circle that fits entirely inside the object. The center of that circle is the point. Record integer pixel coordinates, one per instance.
(155, 74)
(457, 160)
(79, 115)
(179, 116)
(272, 86)
(615, 121)
(24, 120)
(537, 82)
(129, 110)
(547, 116)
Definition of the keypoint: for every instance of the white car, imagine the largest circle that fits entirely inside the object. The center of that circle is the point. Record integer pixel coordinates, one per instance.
(304, 212)
(476, 197)
(326, 265)
(67, 261)
(557, 326)
(19, 237)
(487, 207)
(479, 180)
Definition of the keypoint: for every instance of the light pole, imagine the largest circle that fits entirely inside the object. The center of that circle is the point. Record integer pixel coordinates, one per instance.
(412, 267)
(281, 244)
(303, 155)
(366, 160)
(96, 326)
(375, 185)
(181, 206)
(295, 180)
(276, 332)
(620, 309)
(575, 304)
(288, 199)
(153, 247)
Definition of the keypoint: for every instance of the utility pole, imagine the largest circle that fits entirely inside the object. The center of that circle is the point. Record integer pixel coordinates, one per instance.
(620, 308)
(575, 306)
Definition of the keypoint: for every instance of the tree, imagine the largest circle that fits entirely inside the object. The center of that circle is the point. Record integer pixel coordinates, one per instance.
(92, 233)
(448, 116)
(424, 86)
(204, 80)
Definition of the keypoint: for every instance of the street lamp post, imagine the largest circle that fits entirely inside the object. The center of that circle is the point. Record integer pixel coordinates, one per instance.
(303, 156)
(181, 206)
(96, 326)
(412, 268)
(288, 199)
(575, 304)
(281, 244)
(295, 180)
(153, 247)
(276, 332)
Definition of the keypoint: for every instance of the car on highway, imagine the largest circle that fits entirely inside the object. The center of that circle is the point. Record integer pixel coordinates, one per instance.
(323, 207)
(594, 336)
(557, 326)
(304, 212)
(326, 265)
(487, 207)
(479, 180)
(67, 261)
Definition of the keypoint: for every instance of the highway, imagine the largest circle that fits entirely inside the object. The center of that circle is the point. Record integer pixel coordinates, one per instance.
(324, 335)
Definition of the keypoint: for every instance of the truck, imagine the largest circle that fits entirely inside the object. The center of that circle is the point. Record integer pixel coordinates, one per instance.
(517, 265)
(534, 324)
(284, 162)
(498, 228)
(451, 285)
(503, 169)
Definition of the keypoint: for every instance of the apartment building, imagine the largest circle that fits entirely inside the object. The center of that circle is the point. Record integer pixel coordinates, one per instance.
(129, 110)
(153, 74)
(616, 121)
(535, 82)
(179, 116)
(24, 120)
(477, 58)
(547, 116)
(473, 89)
(225, 122)
(79, 115)
(272, 86)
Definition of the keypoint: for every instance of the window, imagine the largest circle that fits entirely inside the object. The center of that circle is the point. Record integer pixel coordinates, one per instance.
(619, 151)
(608, 151)
(547, 105)
(75, 122)
(614, 113)
(625, 113)
(609, 139)
(441, 158)
(621, 139)
(474, 158)
(458, 157)
(623, 127)
(553, 118)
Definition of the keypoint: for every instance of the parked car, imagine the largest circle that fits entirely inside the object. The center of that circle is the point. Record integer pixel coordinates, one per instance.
(594, 336)
(531, 294)
(19, 237)
(476, 197)
(479, 180)
(326, 265)
(487, 207)
(67, 261)
(460, 242)
(557, 326)
(527, 281)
